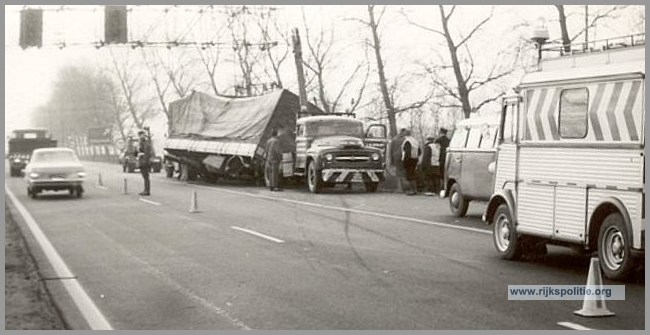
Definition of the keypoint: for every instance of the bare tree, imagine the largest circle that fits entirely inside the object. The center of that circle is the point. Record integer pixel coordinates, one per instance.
(320, 62)
(591, 21)
(130, 84)
(462, 63)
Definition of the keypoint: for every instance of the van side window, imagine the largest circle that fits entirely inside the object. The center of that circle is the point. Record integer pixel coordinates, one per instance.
(510, 124)
(474, 139)
(489, 135)
(459, 138)
(574, 105)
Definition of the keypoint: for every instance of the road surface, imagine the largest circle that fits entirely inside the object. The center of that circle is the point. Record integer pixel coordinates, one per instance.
(254, 259)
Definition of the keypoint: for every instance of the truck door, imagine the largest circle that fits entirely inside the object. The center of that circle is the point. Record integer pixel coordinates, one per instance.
(376, 136)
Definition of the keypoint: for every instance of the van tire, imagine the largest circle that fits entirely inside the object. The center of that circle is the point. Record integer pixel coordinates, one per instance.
(457, 202)
(614, 248)
(504, 234)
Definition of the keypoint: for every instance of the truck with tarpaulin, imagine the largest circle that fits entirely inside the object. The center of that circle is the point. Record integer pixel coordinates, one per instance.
(225, 137)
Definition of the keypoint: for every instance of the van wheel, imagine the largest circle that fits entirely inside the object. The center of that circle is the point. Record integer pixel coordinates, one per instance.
(506, 239)
(614, 248)
(457, 202)
(314, 182)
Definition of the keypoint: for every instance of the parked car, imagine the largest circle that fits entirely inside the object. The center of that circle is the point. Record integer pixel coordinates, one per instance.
(54, 169)
(129, 161)
(469, 168)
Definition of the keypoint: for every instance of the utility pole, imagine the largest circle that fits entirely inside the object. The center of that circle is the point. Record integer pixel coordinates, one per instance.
(586, 27)
(297, 52)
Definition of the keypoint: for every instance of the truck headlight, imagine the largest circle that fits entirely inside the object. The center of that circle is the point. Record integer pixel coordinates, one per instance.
(33, 175)
(16, 160)
(375, 156)
(329, 157)
(81, 174)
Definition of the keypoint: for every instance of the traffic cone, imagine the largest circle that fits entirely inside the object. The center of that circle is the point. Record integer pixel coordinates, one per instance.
(193, 203)
(100, 182)
(124, 189)
(594, 307)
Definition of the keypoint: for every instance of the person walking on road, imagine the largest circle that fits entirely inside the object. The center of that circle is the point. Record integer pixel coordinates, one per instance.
(145, 151)
(273, 160)
(410, 153)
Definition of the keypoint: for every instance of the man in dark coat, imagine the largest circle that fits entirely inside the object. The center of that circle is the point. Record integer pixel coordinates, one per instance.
(443, 141)
(273, 160)
(145, 151)
(410, 153)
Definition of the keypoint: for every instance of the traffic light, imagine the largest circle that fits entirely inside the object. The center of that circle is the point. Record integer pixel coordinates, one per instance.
(115, 27)
(31, 28)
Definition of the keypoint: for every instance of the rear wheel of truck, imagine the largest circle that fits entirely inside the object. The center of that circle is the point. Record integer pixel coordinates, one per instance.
(314, 182)
(614, 248)
(371, 186)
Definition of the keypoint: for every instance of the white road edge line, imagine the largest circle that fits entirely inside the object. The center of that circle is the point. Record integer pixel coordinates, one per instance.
(102, 187)
(573, 326)
(252, 232)
(351, 210)
(93, 316)
(150, 202)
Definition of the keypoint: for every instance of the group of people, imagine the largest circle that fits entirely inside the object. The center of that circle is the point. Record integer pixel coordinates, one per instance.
(413, 162)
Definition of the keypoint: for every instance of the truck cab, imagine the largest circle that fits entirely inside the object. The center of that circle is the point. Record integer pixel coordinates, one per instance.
(21, 145)
(333, 150)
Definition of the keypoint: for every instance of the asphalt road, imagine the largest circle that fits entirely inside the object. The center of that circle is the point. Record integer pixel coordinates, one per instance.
(254, 259)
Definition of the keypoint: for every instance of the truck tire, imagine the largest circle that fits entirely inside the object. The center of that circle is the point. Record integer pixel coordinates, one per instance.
(505, 237)
(169, 171)
(457, 202)
(371, 187)
(614, 248)
(314, 182)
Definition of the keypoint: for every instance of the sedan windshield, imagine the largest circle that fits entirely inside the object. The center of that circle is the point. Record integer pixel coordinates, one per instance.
(338, 127)
(54, 156)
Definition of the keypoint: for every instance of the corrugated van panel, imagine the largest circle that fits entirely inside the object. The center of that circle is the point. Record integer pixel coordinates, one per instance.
(570, 210)
(535, 209)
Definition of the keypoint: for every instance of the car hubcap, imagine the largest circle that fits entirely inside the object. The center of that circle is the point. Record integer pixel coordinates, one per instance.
(614, 248)
(502, 233)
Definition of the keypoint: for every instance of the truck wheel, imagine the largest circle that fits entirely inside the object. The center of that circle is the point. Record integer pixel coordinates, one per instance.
(79, 192)
(614, 248)
(169, 170)
(314, 182)
(32, 192)
(371, 187)
(506, 239)
(457, 202)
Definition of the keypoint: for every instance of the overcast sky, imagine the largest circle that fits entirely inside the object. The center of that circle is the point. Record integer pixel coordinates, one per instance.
(30, 73)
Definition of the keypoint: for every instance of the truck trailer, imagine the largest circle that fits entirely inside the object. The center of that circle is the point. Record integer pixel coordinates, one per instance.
(225, 137)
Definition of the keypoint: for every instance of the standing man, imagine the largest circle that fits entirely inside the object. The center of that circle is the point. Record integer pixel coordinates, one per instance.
(410, 153)
(273, 160)
(431, 166)
(443, 142)
(144, 157)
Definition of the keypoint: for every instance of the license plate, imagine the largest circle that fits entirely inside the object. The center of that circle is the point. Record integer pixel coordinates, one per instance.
(57, 179)
(358, 177)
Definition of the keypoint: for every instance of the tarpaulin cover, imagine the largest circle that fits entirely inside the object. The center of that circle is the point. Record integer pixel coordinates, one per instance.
(201, 116)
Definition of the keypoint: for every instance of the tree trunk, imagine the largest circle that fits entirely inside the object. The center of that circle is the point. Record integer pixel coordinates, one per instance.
(390, 109)
(463, 91)
(566, 41)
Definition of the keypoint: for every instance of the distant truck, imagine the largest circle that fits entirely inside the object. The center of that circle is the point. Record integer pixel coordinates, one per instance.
(21, 145)
(224, 137)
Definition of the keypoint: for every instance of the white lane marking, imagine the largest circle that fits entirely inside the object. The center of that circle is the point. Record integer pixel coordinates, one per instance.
(93, 316)
(573, 326)
(351, 210)
(252, 232)
(102, 187)
(171, 282)
(150, 202)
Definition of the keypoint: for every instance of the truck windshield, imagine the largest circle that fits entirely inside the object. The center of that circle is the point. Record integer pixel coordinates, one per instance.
(335, 127)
